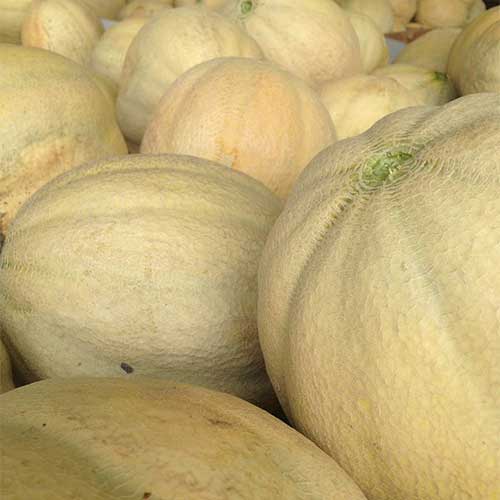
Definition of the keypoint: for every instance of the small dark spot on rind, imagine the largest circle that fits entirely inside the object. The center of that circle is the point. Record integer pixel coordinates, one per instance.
(221, 423)
(147, 494)
(126, 368)
(44, 425)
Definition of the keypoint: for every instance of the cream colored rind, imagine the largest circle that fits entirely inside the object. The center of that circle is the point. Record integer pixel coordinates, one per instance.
(170, 44)
(448, 13)
(403, 11)
(12, 13)
(65, 27)
(143, 8)
(145, 438)
(379, 11)
(54, 117)
(6, 382)
(474, 62)
(246, 114)
(107, 9)
(378, 312)
(151, 269)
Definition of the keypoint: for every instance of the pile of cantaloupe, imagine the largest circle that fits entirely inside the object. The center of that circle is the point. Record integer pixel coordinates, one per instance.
(245, 253)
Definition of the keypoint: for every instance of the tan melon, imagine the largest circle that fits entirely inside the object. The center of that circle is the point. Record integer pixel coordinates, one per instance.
(430, 87)
(431, 50)
(246, 114)
(109, 54)
(6, 382)
(141, 8)
(151, 269)
(373, 46)
(378, 303)
(54, 117)
(152, 439)
(403, 11)
(211, 4)
(12, 13)
(445, 13)
(65, 27)
(356, 103)
(474, 62)
(311, 38)
(379, 11)
(108, 9)
(170, 44)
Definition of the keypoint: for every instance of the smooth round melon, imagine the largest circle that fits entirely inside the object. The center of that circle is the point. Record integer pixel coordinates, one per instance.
(429, 87)
(6, 382)
(356, 103)
(246, 114)
(149, 269)
(312, 39)
(169, 45)
(474, 62)
(448, 13)
(431, 50)
(379, 11)
(403, 11)
(155, 439)
(143, 8)
(65, 27)
(378, 303)
(55, 116)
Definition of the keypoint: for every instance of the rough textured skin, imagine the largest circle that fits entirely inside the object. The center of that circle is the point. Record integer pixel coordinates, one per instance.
(158, 440)
(356, 103)
(12, 13)
(109, 54)
(379, 11)
(65, 27)
(431, 50)
(448, 13)
(151, 267)
(429, 87)
(54, 117)
(108, 9)
(474, 63)
(403, 11)
(6, 383)
(372, 43)
(170, 44)
(246, 114)
(141, 8)
(378, 303)
(290, 33)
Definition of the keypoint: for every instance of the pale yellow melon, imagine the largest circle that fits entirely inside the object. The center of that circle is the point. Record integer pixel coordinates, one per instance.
(109, 54)
(141, 8)
(356, 103)
(430, 87)
(54, 117)
(6, 383)
(152, 439)
(373, 46)
(431, 50)
(108, 9)
(150, 269)
(378, 303)
(311, 38)
(65, 27)
(211, 4)
(170, 44)
(246, 114)
(379, 11)
(403, 11)
(12, 13)
(443, 13)
(474, 63)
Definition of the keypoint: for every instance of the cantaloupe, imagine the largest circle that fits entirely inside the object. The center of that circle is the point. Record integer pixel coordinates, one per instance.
(55, 115)
(142, 439)
(448, 13)
(474, 61)
(379, 11)
(378, 303)
(170, 44)
(141, 8)
(246, 114)
(65, 27)
(150, 268)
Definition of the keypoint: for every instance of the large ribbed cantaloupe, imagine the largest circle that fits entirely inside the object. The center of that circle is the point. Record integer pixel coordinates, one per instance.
(6, 382)
(165, 48)
(55, 115)
(378, 303)
(115, 439)
(140, 264)
(246, 114)
(312, 39)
